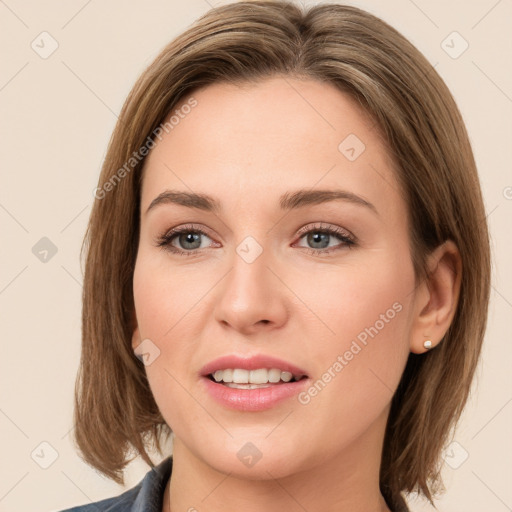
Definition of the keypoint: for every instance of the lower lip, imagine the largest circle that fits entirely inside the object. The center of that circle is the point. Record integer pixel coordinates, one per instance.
(253, 399)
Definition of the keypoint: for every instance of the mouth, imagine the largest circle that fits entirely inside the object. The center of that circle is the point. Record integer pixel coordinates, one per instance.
(240, 378)
(254, 383)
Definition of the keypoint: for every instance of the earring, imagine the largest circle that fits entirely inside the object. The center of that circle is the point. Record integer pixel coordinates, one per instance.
(427, 344)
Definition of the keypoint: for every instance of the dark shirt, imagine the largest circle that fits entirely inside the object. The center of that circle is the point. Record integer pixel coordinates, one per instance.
(146, 496)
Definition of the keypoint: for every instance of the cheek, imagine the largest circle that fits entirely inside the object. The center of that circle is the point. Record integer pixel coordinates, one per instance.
(349, 299)
(365, 312)
(167, 302)
(166, 296)
(361, 324)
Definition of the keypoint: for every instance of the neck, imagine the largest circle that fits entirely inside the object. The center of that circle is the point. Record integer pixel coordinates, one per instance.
(348, 481)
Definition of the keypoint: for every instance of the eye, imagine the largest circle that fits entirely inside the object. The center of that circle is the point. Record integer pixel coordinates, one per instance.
(188, 237)
(319, 236)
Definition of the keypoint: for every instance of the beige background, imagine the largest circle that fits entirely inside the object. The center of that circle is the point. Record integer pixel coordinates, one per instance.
(58, 113)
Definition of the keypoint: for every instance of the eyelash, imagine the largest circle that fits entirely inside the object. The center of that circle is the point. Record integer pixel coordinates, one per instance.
(348, 240)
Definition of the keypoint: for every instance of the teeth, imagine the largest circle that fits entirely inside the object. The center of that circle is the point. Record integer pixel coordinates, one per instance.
(274, 375)
(247, 386)
(286, 376)
(259, 376)
(240, 376)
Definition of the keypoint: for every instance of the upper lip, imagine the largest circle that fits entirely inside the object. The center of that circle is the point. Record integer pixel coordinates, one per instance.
(251, 363)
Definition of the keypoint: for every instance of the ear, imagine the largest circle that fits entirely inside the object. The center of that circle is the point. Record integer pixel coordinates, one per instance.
(436, 297)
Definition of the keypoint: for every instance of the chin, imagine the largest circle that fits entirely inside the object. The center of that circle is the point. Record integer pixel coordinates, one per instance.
(253, 457)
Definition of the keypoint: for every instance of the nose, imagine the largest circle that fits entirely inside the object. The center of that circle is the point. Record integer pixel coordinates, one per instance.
(252, 297)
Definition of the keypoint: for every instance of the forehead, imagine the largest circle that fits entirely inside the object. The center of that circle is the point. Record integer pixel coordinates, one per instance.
(240, 142)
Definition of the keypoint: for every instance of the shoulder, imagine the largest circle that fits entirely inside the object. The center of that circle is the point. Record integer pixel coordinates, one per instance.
(146, 496)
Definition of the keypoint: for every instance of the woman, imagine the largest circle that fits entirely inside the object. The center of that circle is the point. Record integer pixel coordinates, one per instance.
(287, 268)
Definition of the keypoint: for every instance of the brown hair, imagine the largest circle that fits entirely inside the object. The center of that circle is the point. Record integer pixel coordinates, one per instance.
(368, 59)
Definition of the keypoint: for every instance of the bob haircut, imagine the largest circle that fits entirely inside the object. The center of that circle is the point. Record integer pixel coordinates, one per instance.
(363, 56)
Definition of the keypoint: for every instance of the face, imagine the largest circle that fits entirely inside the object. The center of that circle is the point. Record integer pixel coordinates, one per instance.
(317, 284)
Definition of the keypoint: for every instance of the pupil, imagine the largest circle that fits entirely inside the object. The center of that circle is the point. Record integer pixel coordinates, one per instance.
(317, 238)
(189, 238)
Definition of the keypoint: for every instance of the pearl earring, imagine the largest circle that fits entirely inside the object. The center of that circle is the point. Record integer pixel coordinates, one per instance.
(427, 344)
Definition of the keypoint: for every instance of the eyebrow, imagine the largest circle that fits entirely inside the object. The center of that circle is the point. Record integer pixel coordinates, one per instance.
(288, 201)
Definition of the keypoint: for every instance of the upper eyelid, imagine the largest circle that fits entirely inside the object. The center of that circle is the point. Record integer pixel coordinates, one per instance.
(322, 226)
(187, 228)
(319, 226)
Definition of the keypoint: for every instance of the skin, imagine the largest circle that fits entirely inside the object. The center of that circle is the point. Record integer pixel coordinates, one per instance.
(246, 146)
